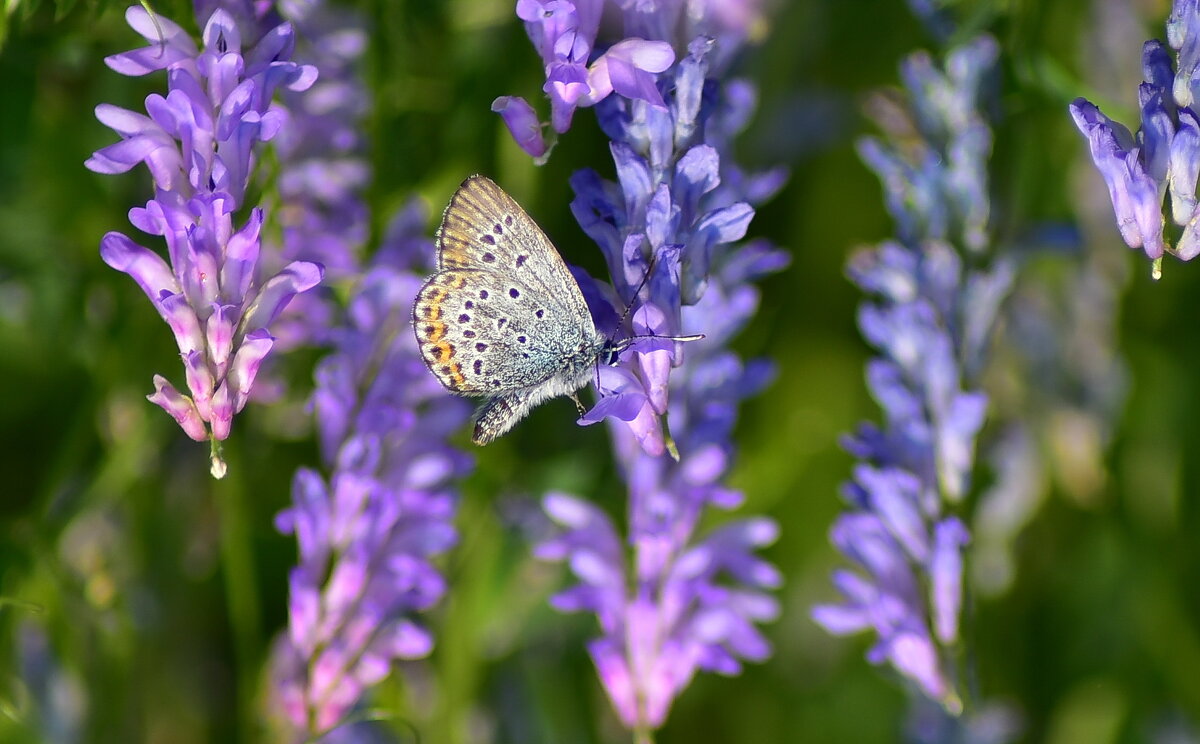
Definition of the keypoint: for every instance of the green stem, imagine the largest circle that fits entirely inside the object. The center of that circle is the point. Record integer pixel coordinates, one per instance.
(643, 736)
(241, 597)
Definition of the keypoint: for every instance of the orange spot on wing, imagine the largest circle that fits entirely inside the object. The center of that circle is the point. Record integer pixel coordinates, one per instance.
(434, 330)
(444, 351)
(433, 303)
(456, 374)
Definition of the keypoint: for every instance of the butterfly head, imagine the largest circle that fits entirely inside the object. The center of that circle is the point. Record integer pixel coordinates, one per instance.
(610, 352)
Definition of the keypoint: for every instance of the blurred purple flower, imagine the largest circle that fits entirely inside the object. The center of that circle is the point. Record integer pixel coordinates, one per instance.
(988, 723)
(317, 199)
(323, 169)
(368, 533)
(1058, 341)
(1164, 156)
(199, 143)
(930, 320)
(678, 601)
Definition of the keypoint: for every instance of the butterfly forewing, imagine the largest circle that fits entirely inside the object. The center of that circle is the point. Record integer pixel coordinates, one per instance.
(484, 228)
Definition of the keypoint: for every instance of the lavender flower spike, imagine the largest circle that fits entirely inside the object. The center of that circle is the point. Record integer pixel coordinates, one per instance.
(368, 533)
(199, 144)
(670, 599)
(1164, 155)
(929, 317)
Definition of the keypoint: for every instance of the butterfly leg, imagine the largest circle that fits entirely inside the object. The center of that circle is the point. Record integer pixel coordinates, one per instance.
(578, 406)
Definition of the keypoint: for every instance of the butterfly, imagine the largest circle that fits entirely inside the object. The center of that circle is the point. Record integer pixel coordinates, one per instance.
(503, 318)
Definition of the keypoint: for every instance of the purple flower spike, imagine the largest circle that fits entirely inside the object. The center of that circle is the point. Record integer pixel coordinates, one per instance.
(199, 144)
(1163, 156)
(670, 600)
(928, 317)
(368, 533)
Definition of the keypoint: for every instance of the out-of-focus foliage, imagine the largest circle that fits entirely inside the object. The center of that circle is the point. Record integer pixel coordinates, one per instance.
(140, 596)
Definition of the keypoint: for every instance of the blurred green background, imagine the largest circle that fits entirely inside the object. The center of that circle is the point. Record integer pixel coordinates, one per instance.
(143, 595)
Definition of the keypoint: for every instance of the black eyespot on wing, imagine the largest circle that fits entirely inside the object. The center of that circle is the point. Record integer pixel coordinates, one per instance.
(489, 257)
(500, 322)
(481, 347)
(521, 260)
(497, 229)
(478, 366)
(520, 339)
(487, 239)
(483, 294)
(468, 334)
(514, 293)
(470, 305)
(540, 313)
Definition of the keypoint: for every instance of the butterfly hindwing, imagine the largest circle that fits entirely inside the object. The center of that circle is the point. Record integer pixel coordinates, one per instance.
(497, 415)
(483, 334)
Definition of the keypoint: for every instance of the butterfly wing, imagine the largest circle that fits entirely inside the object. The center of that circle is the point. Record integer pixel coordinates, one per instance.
(503, 317)
(481, 333)
(484, 228)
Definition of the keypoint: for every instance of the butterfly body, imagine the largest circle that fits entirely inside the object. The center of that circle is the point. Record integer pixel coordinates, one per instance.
(503, 318)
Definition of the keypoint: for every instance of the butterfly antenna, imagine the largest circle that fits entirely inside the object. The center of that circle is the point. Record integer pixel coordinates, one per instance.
(689, 337)
(638, 291)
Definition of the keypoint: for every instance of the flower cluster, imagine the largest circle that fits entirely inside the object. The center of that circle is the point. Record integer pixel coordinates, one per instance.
(1164, 156)
(322, 166)
(564, 34)
(675, 601)
(662, 227)
(199, 143)
(930, 319)
(368, 533)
